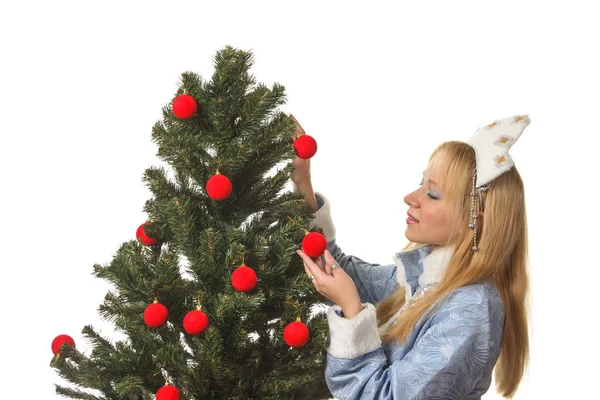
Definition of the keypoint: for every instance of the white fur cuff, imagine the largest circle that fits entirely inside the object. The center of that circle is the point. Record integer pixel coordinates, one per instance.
(323, 219)
(355, 336)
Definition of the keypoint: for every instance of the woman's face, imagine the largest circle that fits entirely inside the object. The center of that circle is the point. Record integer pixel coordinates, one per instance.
(429, 206)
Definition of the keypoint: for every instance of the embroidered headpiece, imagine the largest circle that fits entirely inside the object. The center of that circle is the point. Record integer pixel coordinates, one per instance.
(491, 144)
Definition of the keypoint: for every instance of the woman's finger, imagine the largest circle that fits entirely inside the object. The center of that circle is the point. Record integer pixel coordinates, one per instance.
(313, 269)
(299, 129)
(329, 262)
(324, 266)
(327, 269)
(319, 262)
(308, 273)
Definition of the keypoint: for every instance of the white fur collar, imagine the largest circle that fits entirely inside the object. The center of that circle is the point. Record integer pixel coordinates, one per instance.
(434, 263)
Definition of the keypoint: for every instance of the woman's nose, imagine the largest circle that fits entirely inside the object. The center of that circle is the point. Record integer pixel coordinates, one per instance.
(411, 200)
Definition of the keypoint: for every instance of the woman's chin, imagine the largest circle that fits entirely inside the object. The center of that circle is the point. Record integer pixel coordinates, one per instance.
(411, 237)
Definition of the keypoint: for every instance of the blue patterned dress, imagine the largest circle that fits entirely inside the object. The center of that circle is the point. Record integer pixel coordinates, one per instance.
(452, 350)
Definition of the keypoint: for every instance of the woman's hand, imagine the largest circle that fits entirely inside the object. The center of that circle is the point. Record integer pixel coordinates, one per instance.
(333, 282)
(301, 174)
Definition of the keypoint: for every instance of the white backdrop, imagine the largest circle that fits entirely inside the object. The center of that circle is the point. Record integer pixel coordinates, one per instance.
(378, 86)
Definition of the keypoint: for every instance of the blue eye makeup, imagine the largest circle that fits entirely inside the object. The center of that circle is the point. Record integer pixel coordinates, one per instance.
(431, 196)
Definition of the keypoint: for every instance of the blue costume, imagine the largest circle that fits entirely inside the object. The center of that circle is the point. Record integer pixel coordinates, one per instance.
(452, 350)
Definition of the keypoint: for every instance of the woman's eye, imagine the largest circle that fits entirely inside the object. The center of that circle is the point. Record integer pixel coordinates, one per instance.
(432, 196)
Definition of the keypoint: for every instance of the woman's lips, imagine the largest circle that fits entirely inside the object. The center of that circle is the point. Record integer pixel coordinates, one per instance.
(411, 219)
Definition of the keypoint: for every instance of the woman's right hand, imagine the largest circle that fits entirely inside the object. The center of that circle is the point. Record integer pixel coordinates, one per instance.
(301, 174)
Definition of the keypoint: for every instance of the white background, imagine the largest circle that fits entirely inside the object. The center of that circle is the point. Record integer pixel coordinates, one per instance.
(377, 84)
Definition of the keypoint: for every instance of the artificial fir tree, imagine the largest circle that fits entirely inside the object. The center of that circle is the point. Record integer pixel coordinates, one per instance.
(204, 293)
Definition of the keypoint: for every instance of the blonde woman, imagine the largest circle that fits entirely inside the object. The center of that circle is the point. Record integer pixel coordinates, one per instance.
(451, 309)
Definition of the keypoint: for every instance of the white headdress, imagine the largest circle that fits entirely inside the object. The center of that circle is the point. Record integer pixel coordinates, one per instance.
(491, 144)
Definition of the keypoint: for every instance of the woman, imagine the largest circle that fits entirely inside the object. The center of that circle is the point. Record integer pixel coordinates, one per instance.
(434, 324)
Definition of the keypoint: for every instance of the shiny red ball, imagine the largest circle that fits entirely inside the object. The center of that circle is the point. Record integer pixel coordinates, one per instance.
(244, 279)
(195, 322)
(58, 342)
(168, 392)
(219, 187)
(296, 334)
(305, 146)
(314, 244)
(140, 234)
(155, 315)
(184, 106)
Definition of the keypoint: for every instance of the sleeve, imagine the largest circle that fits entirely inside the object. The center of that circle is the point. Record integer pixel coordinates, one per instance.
(446, 361)
(374, 282)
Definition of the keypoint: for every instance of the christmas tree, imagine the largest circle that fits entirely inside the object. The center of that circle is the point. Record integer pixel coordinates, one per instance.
(204, 294)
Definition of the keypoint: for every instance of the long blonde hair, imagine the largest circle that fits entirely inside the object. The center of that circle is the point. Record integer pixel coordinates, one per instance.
(502, 258)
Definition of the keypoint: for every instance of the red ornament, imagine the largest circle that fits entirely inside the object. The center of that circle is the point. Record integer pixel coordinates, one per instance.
(244, 279)
(59, 341)
(156, 315)
(305, 146)
(140, 234)
(314, 244)
(168, 392)
(184, 106)
(195, 322)
(296, 334)
(218, 187)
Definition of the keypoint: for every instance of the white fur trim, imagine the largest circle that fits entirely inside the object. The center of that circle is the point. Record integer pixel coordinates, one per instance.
(434, 265)
(323, 219)
(401, 277)
(355, 336)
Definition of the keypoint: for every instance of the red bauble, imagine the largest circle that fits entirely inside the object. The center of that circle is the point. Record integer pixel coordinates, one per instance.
(140, 234)
(184, 106)
(156, 315)
(244, 279)
(218, 187)
(296, 334)
(168, 392)
(195, 322)
(314, 244)
(59, 340)
(305, 146)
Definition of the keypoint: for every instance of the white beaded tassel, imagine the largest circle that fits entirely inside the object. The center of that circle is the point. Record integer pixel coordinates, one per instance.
(473, 220)
(475, 203)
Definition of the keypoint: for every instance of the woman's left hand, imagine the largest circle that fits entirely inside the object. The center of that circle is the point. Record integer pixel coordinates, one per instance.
(333, 282)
